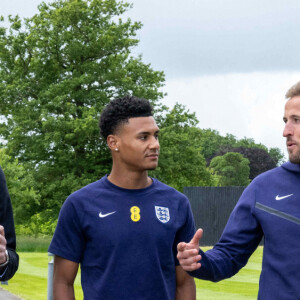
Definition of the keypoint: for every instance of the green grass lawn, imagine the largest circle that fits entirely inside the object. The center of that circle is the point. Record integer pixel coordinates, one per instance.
(30, 282)
(32, 244)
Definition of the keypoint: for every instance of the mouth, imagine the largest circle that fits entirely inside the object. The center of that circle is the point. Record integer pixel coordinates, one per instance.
(291, 144)
(152, 156)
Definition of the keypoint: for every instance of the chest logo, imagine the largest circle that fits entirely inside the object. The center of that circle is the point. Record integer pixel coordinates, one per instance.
(101, 215)
(135, 213)
(162, 214)
(283, 197)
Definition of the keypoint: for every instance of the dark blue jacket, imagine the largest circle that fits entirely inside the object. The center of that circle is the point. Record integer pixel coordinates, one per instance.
(269, 207)
(7, 221)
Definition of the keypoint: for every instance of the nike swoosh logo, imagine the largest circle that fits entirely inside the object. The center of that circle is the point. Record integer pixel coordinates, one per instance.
(283, 197)
(105, 215)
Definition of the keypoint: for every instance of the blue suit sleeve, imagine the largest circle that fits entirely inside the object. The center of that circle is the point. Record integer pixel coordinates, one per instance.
(7, 221)
(240, 238)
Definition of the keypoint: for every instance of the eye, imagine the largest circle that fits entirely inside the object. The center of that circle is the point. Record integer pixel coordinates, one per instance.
(143, 137)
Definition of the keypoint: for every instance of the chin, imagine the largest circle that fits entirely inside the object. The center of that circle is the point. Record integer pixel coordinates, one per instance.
(295, 159)
(151, 168)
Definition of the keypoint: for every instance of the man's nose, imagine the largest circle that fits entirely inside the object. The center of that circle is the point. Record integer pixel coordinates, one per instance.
(154, 143)
(288, 130)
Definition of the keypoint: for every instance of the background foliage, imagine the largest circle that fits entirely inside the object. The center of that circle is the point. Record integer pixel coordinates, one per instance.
(181, 161)
(58, 70)
(231, 169)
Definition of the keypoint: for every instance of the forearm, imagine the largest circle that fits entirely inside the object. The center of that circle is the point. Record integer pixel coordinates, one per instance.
(63, 291)
(220, 263)
(185, 285)
(64, 274)
(186, 291)
(213, 268)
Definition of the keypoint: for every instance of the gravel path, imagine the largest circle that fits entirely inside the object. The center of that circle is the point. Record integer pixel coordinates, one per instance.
(5, 295)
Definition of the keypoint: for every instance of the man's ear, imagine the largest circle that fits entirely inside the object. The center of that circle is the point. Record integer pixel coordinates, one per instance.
(112, 142)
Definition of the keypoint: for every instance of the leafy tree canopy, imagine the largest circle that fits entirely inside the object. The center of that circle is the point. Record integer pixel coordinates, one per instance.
(58, 69)
(24, 197)
(259, 158)
(181, 162)
(231, 169)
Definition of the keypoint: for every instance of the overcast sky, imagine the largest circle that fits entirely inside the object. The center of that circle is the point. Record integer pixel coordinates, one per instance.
(230, 61)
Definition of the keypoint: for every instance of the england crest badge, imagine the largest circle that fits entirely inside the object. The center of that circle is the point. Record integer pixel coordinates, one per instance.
(162, 214)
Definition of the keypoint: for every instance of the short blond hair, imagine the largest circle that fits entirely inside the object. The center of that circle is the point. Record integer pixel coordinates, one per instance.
(293, 91)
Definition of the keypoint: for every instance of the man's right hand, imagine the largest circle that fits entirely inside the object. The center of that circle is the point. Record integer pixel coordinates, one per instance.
(188, 253)
(2, 246)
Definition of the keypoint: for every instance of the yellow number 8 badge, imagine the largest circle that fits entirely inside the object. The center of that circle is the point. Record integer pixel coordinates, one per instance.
(135, 213)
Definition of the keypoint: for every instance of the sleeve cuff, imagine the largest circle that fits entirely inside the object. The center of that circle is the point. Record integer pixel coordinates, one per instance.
(3, 273)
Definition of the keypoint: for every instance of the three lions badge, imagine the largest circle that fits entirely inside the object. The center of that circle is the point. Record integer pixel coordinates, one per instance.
(162, 214)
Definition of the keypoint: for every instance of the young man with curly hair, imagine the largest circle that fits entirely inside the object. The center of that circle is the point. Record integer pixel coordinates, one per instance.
(123, 229)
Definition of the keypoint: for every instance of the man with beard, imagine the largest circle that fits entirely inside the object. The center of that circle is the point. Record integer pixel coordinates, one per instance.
(124, 228)
(270, 208)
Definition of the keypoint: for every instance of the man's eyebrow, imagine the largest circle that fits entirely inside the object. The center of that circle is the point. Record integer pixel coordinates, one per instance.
(292, 116)
(148, 132)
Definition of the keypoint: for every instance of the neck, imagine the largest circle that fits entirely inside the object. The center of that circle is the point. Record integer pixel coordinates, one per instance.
(129, 179)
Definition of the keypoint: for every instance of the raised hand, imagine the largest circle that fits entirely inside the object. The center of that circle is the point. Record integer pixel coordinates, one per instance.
(188, 253)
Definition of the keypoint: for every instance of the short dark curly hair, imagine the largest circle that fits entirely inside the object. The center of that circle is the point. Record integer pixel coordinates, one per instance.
(119, 110)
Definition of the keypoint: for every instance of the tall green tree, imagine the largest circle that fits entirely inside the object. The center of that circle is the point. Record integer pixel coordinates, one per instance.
(230, 169)
(213, 144)
(21, 186)
(181, 162)
(58, 69)
(277, 155)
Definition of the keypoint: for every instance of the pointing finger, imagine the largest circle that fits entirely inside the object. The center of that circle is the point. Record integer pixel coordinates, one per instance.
(197, 237)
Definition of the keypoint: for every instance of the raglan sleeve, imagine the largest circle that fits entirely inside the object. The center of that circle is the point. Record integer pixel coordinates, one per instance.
(7, 221)
(68, 240)
(187, 225)
(240, 238)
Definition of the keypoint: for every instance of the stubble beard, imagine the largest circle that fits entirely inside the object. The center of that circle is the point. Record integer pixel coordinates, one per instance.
(295, 158)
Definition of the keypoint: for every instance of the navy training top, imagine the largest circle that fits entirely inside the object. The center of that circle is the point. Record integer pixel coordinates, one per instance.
(125, 240)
